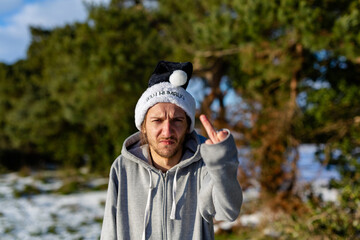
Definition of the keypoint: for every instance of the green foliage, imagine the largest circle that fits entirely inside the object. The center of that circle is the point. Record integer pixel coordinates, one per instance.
(277, 63)
(72, 99)
(346, 32)
(332, 115)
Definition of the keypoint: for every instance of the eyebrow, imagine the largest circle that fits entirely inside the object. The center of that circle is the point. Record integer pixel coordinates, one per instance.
(162, 116)
(182, 117)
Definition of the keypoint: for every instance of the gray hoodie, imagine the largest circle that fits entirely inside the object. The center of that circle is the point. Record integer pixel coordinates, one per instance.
(145, 203)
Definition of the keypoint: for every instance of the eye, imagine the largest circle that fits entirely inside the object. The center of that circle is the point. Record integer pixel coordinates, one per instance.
(156, 120)
(178, 119)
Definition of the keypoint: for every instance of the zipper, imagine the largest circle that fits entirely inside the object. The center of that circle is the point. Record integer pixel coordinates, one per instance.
(165, 179)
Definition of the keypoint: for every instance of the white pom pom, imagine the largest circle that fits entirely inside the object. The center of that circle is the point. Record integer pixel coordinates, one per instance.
(178, 78)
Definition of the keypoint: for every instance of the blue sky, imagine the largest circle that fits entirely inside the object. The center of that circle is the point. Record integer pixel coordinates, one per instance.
(17, 15)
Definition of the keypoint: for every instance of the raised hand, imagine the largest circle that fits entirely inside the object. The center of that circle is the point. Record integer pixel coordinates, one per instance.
(214, 136)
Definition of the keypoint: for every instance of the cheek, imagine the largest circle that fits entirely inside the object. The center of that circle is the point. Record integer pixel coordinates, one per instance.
(152, 131)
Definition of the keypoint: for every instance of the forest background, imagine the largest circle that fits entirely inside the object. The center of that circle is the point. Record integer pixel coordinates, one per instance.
(294, 66)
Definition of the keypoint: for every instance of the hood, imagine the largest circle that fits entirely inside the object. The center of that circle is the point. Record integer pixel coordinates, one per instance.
(133, 151)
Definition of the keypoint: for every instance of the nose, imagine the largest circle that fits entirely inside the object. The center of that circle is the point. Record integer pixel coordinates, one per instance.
(166, 128)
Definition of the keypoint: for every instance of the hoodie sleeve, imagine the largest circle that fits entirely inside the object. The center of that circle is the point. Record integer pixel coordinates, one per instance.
(220, 195)
(108, 230)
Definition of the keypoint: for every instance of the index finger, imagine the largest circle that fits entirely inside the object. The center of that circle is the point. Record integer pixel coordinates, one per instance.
(209, 128)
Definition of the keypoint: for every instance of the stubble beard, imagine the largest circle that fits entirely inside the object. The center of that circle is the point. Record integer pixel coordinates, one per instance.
(167, 151)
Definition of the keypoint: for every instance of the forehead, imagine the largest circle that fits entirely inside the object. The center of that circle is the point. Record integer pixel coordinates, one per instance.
(163, 109)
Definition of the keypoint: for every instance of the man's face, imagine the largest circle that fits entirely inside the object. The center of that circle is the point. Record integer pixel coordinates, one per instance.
(165, 129)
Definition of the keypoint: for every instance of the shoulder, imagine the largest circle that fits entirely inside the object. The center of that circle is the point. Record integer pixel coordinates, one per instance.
(118, 165)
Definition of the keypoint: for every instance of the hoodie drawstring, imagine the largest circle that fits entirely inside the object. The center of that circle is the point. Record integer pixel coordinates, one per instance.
(173, 208)
(148, 203)
(148, 206)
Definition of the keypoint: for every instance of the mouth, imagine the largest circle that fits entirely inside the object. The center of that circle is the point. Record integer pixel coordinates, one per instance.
(167, 141)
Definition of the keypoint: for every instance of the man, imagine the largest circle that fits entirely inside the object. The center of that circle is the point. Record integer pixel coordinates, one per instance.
(168, 182)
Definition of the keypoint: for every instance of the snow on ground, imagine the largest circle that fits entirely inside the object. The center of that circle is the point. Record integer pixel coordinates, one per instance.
(48, 216)
(79, 216)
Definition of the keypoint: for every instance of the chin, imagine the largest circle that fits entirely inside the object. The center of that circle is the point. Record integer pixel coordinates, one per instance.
(168, 153)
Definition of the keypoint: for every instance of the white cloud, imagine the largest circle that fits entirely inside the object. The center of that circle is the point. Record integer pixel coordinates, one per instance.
(13, 44)
(50, 13)
(15, 35)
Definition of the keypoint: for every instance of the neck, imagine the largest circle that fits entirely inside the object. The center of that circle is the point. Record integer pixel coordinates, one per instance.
(163, 163)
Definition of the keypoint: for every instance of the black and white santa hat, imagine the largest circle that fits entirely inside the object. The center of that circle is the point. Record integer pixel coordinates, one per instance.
(167, 84)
